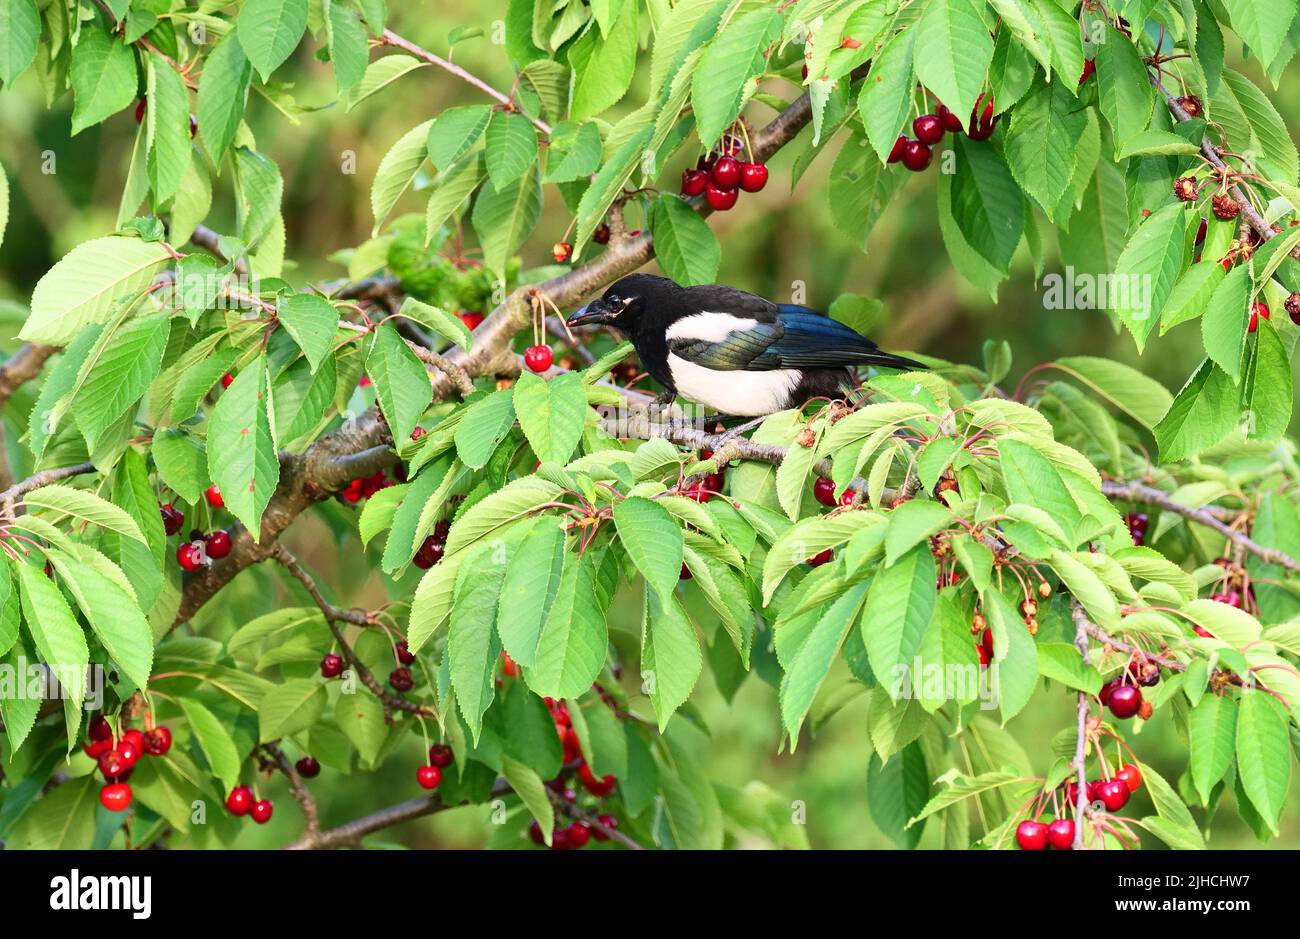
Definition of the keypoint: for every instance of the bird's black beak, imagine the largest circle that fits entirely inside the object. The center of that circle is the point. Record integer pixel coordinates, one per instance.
(595, 313)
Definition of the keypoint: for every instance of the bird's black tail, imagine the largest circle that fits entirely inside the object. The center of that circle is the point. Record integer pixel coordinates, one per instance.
(879, 359)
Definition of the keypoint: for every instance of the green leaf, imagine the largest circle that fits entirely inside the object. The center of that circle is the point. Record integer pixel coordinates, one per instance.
(1148, 269)
(1268, 396)
(1191, 294)
(510, 503)
(1212, 736)
(728, 72)
(381, 73)
(532, 792)
(532, 579)
(217, 745)
(603, 67)
(289, 708)
(898, 791)
(511, 147)
(20, 28)
(81, 288)
(103, 78)
(241, 451)
(551, 413)
(348, 46)
(605, 187)
(911, 523)
(401, 383)
(652, 539)
(573, 152)
(397, 171)
(312, 321)
(1264, 754)
(671, 659)
(451, 328)
(484, 426)
(1124, 94)
(986, 202)
(450, 191)
(223, 91)
(1223, 327)
(686, 247)
(1042, 140)
(808, 667)
(898, 609)
(361, 718)
(84, 507)
(113, 614)
(1061, 661)
(886, 97)
(574, 638)
(269, 31)
(129, 363)
(1205, 411)
(503, 217)
(962, 788)
(957, 52)
(472, 645)
(167, 128)
(64, 819)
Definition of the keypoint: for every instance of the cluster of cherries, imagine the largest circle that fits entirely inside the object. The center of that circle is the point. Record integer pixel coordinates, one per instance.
(1123, 694)
(367, 486)
(429, 776)
(243, 801)
(916, 152)
(1113, 793)
(720, 176)
(578, 833)
(430, 551)
(117, 758)
(201, 549)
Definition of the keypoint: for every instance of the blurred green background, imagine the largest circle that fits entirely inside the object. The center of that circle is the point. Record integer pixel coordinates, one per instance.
(773, 242)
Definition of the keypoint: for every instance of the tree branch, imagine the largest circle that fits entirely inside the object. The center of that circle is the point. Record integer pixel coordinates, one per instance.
(299, 789)
(1149, 495)
(1081, 741)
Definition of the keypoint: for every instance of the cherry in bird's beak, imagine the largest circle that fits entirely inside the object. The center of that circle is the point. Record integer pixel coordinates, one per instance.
(595, 313)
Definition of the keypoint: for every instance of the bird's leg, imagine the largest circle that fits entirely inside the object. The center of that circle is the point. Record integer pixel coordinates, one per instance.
(658, 408)
(740, 429)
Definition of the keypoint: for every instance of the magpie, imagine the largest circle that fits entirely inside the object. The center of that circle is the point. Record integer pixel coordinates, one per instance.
(731, 350)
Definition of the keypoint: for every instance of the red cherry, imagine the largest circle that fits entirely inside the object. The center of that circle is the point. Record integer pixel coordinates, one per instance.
(1131, 776)
(213, 495)
(261, 811)
(1202, 632)
(1258, 310)
(726, 172)
(720, 199)
(308, 767)
(848, 497)
(100, 728)
(1230, 597)
(429, 777)
(579, 834)
(331, 666)
(560, 840)
(115, 797)
(158, 741)
(694, 182)
(96, 748)
(140, 107)
(135, 739)
(1114, 794)
(569, 740)
(982, 123)
(441, 755)
(429, 554)
(1060, 834)
(928, 128)
(218, 544)
(896, 152)
(608, 821)
(916, 155)
(539, 358)
(400, 679)
(226, 379)
(1089, 66)
(820, 558)
(753, 176)
(404, 653)
(363, 381)
(1031, 835)
(471, 319)
(951, 122)
(535, 833)
(173, 518)
(562, 251)
(509, 667)
(1109, 688)
(597, 787)
(1125, 701)
(240, 800)
(824, 491)
(118, 761)
(189, 556)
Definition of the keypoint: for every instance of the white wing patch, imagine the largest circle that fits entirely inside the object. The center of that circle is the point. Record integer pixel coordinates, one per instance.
(737, 393)
(709, 327)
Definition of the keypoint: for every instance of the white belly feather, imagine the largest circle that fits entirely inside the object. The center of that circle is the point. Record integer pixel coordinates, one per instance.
(737, 393)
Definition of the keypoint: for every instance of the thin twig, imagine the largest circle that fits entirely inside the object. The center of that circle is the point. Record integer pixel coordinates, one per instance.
(1081, 741)
(299, 789)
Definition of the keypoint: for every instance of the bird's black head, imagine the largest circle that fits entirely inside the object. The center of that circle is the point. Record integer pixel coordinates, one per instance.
(627, 302)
